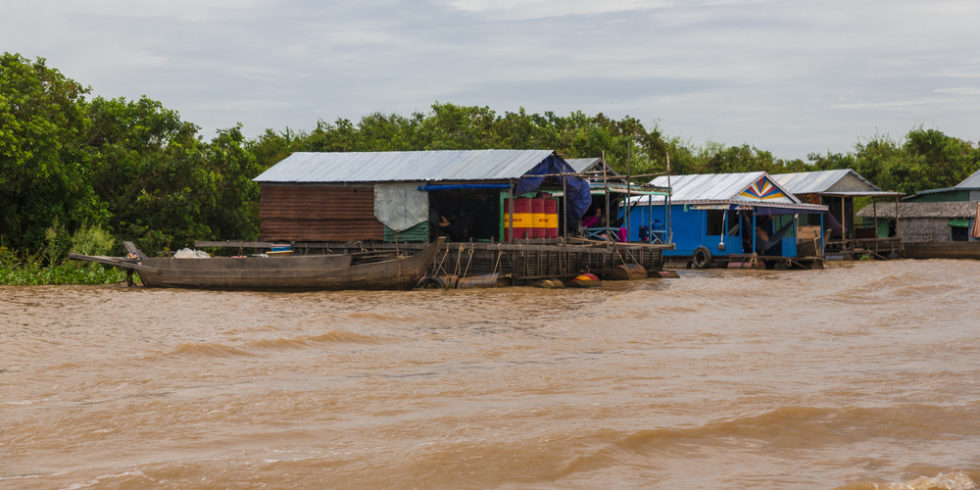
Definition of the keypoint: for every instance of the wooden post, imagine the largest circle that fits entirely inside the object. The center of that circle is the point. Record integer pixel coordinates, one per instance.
(898, 221)
(843, 222)
(629, 193)
(667, 209)
(605, 187)
(564, 206)
(510, 199)
(874, 210)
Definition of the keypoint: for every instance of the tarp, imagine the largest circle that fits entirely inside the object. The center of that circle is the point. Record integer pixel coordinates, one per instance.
(579, 194)
(976, 223)
(400, 206)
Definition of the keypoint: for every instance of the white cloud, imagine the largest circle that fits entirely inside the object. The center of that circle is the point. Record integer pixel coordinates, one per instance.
(784, 75)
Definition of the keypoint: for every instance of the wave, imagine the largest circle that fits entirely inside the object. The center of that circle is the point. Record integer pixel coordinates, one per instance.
(207, 349)
(333, 336)
(956, 480)
(796, 427)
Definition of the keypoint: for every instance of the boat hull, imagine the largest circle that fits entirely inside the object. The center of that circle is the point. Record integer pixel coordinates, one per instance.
(298, 272)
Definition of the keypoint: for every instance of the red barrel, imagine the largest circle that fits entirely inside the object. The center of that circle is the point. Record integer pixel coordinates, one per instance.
(522, 218)
(551, 218)
(538, 223)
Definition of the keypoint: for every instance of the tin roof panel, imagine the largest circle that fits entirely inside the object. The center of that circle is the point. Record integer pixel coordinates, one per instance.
(410, 166)
(820, 181)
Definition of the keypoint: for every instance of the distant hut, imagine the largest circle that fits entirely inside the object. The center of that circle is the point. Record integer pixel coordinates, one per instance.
(967, 190)
(937, 223)
(738, 218)
(838, 189)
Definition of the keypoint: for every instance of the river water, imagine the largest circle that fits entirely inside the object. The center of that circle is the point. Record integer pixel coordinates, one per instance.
(859, 376)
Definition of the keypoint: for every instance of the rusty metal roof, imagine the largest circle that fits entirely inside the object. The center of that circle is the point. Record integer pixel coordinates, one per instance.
(404, 166)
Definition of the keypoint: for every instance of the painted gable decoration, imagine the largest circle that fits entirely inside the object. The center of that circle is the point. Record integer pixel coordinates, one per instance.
(763, 190)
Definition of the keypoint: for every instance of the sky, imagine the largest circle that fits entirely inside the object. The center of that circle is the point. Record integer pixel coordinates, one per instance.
(790, 77)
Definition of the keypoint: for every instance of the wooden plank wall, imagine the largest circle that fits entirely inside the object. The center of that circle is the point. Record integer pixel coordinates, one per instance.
(317, 213)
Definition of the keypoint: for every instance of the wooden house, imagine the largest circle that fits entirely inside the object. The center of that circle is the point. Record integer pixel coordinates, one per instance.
(846, 235)
(405, 196)
(937, 223)
(506, 212)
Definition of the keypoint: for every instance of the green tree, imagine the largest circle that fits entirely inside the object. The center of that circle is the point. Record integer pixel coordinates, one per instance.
(43, 177)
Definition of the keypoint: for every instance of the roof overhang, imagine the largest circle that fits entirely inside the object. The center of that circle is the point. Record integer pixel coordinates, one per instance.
(860, 194)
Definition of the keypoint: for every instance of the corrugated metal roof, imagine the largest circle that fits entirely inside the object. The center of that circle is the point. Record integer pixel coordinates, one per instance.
(710, 189)
(404, 166)
(819, 181)
(707, 187)
(971, 182)
(585, 164)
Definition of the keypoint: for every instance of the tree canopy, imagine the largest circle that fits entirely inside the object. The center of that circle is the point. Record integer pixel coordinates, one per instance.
(137, 170)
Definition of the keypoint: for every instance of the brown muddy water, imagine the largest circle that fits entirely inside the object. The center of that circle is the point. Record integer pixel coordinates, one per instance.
(860, 376)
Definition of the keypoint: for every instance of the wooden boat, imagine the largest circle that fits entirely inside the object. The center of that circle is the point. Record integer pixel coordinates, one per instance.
(941, 250)
(294, 272)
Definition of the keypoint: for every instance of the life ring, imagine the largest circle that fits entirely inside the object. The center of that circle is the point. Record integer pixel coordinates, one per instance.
(701, 258)
(430, 282)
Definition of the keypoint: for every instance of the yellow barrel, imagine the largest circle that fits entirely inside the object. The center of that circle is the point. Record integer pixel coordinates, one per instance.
(523, 221)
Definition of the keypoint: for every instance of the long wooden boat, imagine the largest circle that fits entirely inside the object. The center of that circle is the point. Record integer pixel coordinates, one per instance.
(295, 272)
(942, 250)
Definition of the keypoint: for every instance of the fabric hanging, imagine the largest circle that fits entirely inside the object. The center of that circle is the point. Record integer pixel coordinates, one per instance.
(400, 206)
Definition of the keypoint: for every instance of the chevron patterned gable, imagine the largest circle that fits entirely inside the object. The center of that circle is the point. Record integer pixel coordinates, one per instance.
(763, 190)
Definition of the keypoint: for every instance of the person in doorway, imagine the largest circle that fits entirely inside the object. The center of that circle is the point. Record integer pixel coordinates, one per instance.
(594, 220)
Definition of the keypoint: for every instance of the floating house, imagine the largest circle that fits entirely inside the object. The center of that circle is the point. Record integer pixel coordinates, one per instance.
(845, 236)
(730, 219)
(936, 223)
(507, 212)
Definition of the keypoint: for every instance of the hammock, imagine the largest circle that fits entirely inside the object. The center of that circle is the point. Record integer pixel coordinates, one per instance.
(764, 245)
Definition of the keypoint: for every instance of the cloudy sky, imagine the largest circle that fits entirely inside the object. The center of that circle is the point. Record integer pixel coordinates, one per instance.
(792, 77)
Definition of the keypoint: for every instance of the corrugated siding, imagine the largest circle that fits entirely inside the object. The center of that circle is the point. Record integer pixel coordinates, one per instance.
(318, 213)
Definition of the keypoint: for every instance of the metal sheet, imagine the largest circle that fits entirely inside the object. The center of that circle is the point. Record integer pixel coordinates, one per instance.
(971, 182)
(404, 166)
(400, 206)
(710, 187)
(822, 181)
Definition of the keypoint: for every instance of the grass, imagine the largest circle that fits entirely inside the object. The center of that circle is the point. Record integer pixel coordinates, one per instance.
(67, 273)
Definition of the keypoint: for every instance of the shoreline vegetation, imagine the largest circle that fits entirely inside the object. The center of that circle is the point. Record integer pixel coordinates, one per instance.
(134, 170)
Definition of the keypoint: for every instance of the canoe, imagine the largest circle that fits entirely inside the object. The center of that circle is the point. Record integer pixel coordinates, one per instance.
(294, 272)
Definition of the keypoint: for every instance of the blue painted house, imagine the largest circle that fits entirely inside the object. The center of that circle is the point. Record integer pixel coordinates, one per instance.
(717, 219)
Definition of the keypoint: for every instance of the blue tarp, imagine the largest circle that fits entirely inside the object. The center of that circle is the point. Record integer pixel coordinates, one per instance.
(578, 192)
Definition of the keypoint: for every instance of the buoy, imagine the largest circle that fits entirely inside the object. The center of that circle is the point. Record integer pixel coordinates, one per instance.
(587, 280)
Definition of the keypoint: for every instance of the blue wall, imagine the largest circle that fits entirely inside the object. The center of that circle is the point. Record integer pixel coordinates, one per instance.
(690, 231)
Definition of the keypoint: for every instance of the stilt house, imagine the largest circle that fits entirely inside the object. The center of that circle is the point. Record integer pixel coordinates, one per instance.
(846, 234)
(717, 219)
(413, 195)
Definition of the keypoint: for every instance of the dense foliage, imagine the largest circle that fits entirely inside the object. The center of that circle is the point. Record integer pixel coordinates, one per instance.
(133, 168)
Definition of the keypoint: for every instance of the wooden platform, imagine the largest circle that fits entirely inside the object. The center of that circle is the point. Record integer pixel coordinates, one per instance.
(523, 262)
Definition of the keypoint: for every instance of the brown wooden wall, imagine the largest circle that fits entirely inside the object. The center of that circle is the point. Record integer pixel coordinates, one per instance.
(294, 212)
